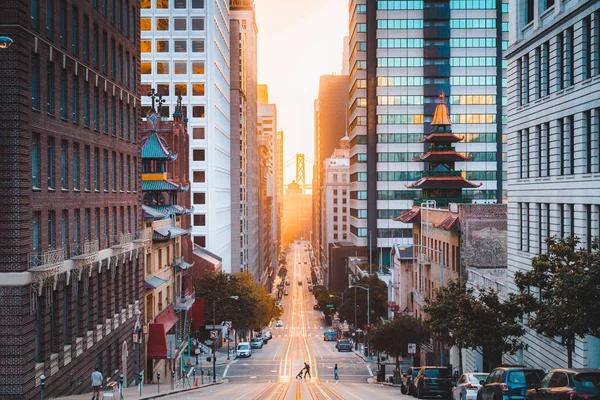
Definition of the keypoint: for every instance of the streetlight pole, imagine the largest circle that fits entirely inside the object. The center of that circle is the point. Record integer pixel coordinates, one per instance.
(368, 302)
(214, 360)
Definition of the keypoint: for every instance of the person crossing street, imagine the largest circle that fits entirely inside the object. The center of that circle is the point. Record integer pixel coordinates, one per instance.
(96, 384)
(307, 370)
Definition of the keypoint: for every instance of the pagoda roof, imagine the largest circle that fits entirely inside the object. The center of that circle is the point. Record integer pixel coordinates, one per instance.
(169, 232)
(443, 182)
(451, 223)
(442, 137)
(163, 186)
(411, 216)
(150, 213)
(174, 210)
(438, 156)
(155, 147)
(441, 116)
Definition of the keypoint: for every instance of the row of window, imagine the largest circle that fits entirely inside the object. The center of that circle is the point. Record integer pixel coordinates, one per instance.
(473, 118)
(179, 89)
(178, 68)
(536, 220)
(111, 170)
(410, 43)
(472, 42)
(473, 23)
(476, 5)
(412, 176)
(383, 232)
(400, 4)
(398, 119)
(381, 214)
(472, 61)
(489, 80)
(399, 24)
(198, 111)
(77, 226)
(399, 100)
(399, 81)
(179, 24)
(535, 145)
(176, 4)
(115, 114)
(473, 99)
(179, 46)
(534, 72)
(399, 62)
(413, 194)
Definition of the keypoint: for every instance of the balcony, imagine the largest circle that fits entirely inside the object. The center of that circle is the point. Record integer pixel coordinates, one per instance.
(185, 302)
(121, 240)
(84, 255)
(442, 201)
(440, 173)
(51, 258)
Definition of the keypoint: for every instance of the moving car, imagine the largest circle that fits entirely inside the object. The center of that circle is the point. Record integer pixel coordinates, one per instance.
(434, 382)
(567, 384)
(468, 385)
(329, 336)
(510, 383)
(344, 344)
(243, 349)
(287, 282)
(299, 283)
(256, 343)
(279, 323)
(408, 380)
(285, 293)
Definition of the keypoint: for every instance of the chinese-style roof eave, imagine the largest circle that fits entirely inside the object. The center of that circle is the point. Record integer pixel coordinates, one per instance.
(411, 216)
(163, 186)
(442, 137)
(445, 182)
(169, 232)
(442, 156)
(451, 223)
(174, 210)
(154, 147)
(153, 214)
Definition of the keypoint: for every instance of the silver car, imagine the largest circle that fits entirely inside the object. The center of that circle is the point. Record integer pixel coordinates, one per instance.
(468, 385)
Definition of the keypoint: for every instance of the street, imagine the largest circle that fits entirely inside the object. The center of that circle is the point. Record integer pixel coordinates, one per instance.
(270, 373)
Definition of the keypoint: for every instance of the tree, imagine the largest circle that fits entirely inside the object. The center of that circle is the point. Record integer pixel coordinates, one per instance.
(562, 291)
(393, 338)
(378, 301)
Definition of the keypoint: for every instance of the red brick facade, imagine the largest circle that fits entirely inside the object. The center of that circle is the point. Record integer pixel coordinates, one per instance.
(63, 51)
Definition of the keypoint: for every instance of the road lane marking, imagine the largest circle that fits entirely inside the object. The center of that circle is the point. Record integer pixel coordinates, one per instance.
(226, 369)
(369, 369)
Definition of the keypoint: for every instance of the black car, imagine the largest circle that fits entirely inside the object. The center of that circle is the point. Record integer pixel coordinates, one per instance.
(408, 381)
(510, 383)
(434, 382)
(568, 384)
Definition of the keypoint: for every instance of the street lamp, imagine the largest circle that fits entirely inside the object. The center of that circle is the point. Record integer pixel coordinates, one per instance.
(368, 301)
(5, 42)
(215, 323)
(42, 384)
(341, 298)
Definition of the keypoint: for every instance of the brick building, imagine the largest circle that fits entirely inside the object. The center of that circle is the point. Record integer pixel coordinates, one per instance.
(71, 266)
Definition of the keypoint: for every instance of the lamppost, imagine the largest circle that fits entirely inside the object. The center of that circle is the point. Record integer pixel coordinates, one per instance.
(215, 323)
(368, 305)
(341, 298)
(42, 384)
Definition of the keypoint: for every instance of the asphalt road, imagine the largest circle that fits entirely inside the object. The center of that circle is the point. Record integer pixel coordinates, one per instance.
(271, 371)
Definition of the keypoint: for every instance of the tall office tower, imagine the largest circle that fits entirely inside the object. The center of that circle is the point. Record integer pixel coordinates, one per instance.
(71, 269)
(402, 54)
(279, 173)
(185, 51)
(553, 159)
(331, 108)
(244, 148)
(267, 138)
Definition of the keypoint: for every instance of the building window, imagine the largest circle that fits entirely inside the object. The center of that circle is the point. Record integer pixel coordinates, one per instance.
(96, 109)
(75, 101)
(162, 46)
(49, 18)
(200, 176)
(162, 24)
(180, 24)
(35, 161)
(197, 24)
(180, 46)
(105, 113)
(75, 29)
(121, 172)
(127, 66)
(198, 133)
(35, 12)
(64, 165)
(50, 88)
(114, 172)
(559, 62)
(198, 89)
(51, 229)
(525, 80)
(569, 57)
(197, 3)
(162, 68)
(198, 46)
(50, 162)
(198, 67)
(86, 105)
(180, 68)
(200, 198)
(571, 145)
(64, 97)
(104, 52)
(113, 115)
(96, 169)
(199, 155)
(180, 89)
(62, 10)
(35, 81)
(128, 176)
(587, 120)
(200, 241)
(64, 229)
(76, 166)
(86, 168)
(36, 239)
(105, 170)
(200, 220)
(198, 112)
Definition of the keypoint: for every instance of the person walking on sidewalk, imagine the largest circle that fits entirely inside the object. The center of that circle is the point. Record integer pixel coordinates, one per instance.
(335, 372)
(307, 370)
(96, 384)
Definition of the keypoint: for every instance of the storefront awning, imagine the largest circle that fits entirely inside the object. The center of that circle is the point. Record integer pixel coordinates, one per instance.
(157, 333)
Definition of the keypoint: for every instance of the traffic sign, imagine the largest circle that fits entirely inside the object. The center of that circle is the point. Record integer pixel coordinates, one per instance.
(330, 306)
(412, 348)
(228, 324)
(214, 334)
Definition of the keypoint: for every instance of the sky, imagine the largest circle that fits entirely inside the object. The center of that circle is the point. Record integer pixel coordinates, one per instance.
(298, 41)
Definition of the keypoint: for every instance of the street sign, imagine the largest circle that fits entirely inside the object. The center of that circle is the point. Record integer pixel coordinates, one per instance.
(412, 348)
(330, 306)
(214, 334)
(228, 324)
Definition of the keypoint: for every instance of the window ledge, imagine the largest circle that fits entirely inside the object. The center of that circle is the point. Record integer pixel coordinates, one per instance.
(51, 189)
(51, 115)
(36, 109)
(36, 189)
(64, 190)
(76, 190)
(64, 119)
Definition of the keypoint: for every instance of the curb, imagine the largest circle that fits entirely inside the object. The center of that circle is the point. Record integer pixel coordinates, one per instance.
(159, 395)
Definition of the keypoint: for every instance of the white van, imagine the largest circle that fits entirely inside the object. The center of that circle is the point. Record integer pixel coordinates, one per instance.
(243, 349)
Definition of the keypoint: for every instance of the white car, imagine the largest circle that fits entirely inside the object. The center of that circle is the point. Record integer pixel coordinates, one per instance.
(243, 349)
(468, 385)
(279, 323)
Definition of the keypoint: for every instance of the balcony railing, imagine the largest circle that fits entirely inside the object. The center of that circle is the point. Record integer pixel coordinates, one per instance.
(492, 279)
(442, 202)
(85, 248)
(48, 258)
(122, 239)
(185, 302)
(441, 173)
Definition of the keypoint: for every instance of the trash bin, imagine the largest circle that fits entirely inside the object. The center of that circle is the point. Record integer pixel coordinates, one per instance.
(381, 373)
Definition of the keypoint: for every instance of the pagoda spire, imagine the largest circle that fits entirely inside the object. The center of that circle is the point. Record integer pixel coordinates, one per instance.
(441, 116)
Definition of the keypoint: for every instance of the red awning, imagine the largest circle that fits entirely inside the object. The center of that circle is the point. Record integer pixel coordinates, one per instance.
(157, 341)
(198, 313)
(168, 318)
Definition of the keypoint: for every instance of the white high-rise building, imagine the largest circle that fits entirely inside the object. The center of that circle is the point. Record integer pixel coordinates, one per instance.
(553, 146)
(185, 51)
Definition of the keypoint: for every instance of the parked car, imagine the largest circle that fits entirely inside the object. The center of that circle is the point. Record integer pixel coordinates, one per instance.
(344, 344)
(310, 289)
(279, 323)
(285, 293)
(316, 307)
(268, 335)
(408, 381)
(567, 384)
(434, 382)
(243, 349)
(468, 385)
(329, 336)
(299, 283)
(510, 383)
(287, 282)
(256, 343)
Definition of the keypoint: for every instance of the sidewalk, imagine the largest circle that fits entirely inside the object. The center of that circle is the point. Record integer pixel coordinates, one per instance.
(149, 391)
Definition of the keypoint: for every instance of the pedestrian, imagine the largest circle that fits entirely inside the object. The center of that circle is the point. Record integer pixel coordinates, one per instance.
(335, 372)
(307, 370)
(96, 384)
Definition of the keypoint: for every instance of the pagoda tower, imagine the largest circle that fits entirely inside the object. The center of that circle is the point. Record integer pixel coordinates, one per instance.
(440, 180)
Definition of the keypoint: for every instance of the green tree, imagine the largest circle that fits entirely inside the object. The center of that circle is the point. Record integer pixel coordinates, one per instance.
(393, 338)
(562, 291)
(378, 303)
